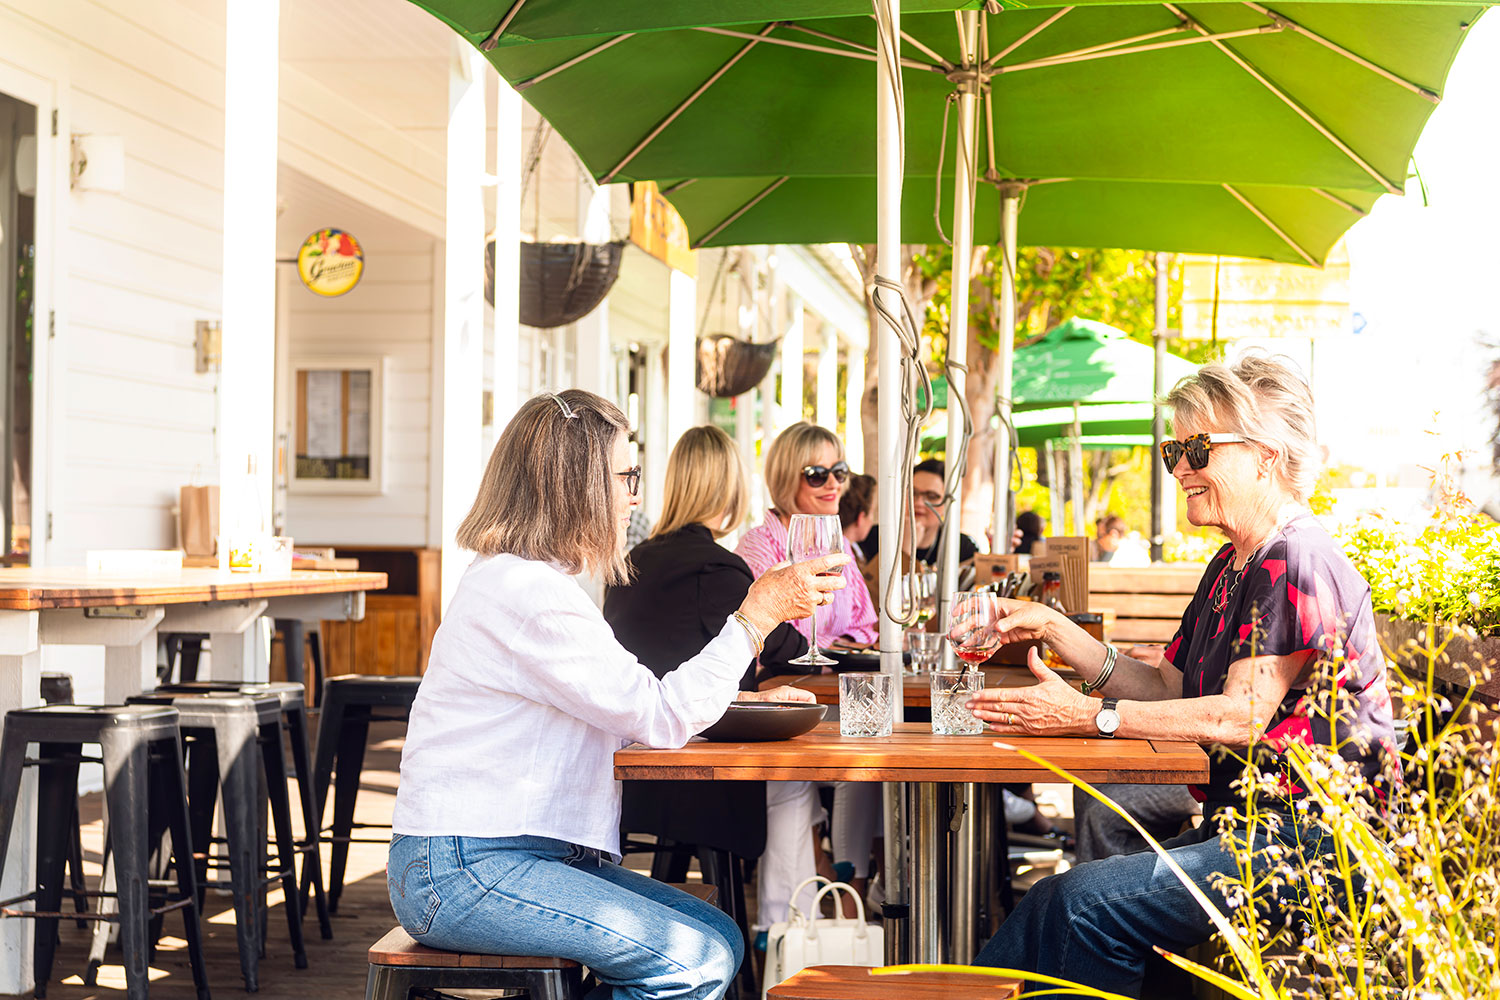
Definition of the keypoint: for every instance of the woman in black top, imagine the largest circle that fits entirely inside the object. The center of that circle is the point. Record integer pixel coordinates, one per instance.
(683, 586)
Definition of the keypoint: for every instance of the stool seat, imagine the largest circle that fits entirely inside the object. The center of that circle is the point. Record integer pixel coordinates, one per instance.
(855, 982)
(398, 948)
(62, 723)
(202, 708)
(289, 692)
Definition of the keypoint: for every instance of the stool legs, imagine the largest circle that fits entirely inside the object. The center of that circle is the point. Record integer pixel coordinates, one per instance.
(286, 844)
(234, 742)
(57, 787)
(175, 792)
(312, 861)
(125, 792)
(351, 756)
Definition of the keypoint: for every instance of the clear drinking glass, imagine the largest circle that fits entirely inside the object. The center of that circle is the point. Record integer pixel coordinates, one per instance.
(973, 633)
(951, 691)
(925, 650)
(923, 597)
(812, 536)
(865, 704)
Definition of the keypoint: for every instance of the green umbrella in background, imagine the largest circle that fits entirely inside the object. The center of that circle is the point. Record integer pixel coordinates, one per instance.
(1087, 363)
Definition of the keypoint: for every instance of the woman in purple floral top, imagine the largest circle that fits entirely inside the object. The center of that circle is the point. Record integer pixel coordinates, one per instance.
(1280, 626)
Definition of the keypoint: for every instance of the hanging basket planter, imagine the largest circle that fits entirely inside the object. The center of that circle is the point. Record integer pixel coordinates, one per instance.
(728, 366)
(560, 282)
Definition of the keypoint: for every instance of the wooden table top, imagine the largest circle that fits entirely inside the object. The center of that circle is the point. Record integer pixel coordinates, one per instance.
(916, 688)
(44, 588)
(913, 753)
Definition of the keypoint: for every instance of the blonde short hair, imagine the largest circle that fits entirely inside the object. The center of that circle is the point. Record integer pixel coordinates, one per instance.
(548, 490)
(793, 450)
(1265, 401)
(705, 484)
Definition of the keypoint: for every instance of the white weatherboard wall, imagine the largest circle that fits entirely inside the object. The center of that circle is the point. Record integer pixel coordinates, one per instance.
(130, 418)
(389, 313)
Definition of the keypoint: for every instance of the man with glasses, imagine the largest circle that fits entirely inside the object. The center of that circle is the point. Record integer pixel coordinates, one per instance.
(928, 481)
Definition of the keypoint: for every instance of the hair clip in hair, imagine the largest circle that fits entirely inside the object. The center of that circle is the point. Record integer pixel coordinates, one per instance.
(567, 411)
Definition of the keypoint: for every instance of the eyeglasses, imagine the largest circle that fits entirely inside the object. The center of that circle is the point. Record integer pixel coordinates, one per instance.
(1195, 449)
(632, 479)
(817, 475)
(928, 497)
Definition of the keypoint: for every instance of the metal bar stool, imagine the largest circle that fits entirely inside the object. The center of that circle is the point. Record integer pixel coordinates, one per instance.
(350, 703)
(144, 784)
(57, 689)
(293, 699)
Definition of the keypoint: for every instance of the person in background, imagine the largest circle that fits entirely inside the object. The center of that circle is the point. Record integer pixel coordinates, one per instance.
(857, 512)
(506, 828)
(928, 486)
(1109, 531)
(638, 530)
(1029, 524)
(682, 587)
(805, 474)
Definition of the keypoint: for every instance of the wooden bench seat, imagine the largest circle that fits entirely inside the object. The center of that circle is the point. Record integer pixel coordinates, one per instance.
(399, 964)
(854, 982)
(1147, 602)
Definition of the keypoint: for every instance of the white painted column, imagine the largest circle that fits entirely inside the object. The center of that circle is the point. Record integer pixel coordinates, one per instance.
(854, 391)
(20, 687)
(793, 348)
(595, 363)
(507, 323)
(658, 444)
(828, 378)
(247, 385)
(459, 363)
(682, 355)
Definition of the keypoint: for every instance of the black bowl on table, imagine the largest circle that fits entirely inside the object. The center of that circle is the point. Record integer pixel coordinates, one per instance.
(763, 721)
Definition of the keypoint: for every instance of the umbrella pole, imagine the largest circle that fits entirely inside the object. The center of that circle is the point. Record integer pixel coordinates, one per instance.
(1075, 471)
(890, 438)
(963, 902)
(1005, 513)
(1158, 416)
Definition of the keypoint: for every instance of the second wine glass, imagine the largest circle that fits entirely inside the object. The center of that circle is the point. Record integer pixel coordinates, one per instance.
(812, 536)
(973, 634)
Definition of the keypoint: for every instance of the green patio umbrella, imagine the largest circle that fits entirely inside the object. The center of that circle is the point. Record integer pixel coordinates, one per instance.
(1091, 363)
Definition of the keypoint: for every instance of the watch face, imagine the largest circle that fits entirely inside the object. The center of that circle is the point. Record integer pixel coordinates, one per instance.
(1108, 720)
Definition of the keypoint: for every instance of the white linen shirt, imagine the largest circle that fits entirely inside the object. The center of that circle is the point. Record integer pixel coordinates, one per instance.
(526, 698)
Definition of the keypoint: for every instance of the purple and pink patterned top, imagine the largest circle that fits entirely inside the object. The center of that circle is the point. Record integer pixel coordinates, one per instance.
(1298, 592)
(851, 614)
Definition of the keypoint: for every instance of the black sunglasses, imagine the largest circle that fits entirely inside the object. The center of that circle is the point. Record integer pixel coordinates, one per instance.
(817, 475)
(632, 479)
(1195, 449)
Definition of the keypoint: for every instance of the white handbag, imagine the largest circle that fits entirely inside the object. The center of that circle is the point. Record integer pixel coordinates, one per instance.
(801, 941)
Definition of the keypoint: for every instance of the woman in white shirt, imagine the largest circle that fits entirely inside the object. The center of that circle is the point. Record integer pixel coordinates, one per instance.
(507, 816)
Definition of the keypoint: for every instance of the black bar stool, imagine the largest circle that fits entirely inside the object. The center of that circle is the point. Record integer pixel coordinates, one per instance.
(57, 689)
(350, 703)
(293, 699)
(222, 731)
(144, 788)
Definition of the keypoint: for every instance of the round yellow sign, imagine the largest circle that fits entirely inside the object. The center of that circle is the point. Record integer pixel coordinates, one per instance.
(330, 262)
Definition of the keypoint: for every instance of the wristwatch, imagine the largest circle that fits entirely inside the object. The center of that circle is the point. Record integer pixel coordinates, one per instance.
(1108, 719)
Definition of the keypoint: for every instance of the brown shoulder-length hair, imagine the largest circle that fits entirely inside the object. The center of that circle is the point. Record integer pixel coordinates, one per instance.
(548, 490)
(705, 483)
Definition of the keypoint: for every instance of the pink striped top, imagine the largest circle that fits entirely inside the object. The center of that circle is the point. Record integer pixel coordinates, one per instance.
(851, 614)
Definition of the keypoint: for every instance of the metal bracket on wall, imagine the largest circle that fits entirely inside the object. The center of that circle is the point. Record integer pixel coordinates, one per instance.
(128, 613)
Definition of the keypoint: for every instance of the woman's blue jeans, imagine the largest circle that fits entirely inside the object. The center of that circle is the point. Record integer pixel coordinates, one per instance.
(1095, 924)
(538, 896)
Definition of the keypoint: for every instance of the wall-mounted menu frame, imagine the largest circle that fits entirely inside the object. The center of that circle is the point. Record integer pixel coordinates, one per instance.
(338, 422)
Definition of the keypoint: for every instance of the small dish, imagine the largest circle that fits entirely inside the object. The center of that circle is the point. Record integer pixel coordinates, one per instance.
(764, 721)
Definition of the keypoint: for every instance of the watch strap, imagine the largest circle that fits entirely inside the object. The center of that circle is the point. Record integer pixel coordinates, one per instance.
(1108, 705)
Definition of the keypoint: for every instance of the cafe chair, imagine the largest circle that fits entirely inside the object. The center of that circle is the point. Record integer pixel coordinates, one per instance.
(402, 969)
(145, 795)
(350, 703)
(293, 700)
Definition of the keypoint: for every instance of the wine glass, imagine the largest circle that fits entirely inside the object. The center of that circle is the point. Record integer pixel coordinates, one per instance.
(973, 634)
(812, 536)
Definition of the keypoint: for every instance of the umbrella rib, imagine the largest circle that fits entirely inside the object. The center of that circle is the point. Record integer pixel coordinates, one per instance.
(510, 15)
(679, 185)
(829, 38)
(1273, 227)
(747, 206)
(1341, 203)
(929, 53)
(1025, 38)
(569, 64)
(908, 62)
(1353, 57)
(1134, 39)
(702, 89)
(1096, 52)
(1290, 102)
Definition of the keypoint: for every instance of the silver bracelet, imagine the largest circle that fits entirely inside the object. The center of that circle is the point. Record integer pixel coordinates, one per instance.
(756, 639)
(1111, 654)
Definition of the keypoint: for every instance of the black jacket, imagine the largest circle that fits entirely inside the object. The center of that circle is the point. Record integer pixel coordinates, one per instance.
(966, 548)
(682, 589)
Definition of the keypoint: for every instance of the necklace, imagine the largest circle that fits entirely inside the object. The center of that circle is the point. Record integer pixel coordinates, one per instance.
(1231, 577)
(1228, 581)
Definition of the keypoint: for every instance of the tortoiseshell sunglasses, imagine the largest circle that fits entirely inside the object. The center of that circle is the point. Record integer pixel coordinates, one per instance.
(1195, 449)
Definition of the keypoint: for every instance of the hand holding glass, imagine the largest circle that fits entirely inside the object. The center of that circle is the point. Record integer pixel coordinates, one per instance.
(811, 536)
(973, 633)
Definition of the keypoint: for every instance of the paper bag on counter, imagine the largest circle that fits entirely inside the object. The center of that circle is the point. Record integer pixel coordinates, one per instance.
(198, 520)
